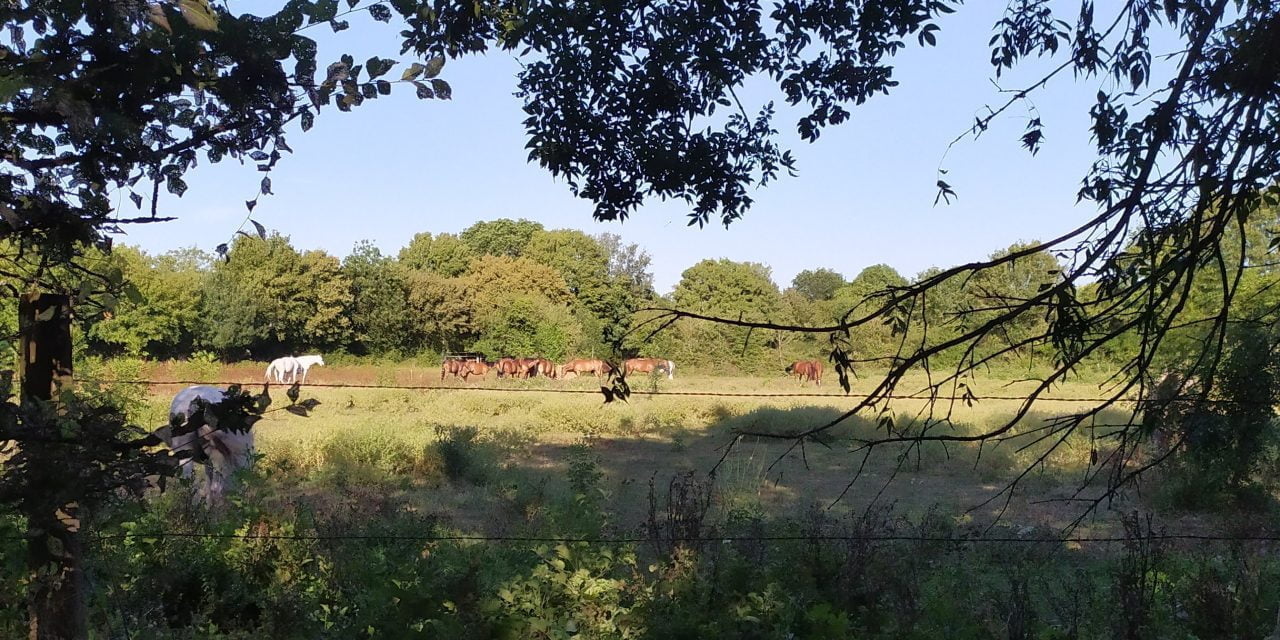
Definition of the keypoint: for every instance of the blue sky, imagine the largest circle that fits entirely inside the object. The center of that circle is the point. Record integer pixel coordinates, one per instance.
(864, 193)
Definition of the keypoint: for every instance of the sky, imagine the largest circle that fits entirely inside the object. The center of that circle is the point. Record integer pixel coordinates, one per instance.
(863, 194)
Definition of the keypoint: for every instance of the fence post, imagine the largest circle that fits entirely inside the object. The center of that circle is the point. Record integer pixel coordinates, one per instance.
(57, 608)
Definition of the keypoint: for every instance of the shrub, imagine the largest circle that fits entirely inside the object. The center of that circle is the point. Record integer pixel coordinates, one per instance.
(463, 456)
(202, 366)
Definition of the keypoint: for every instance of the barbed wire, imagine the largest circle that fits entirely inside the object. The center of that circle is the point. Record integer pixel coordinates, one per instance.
(1107, 539)
(596, 392)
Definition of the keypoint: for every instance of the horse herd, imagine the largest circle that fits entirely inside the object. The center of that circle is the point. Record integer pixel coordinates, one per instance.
(522, 368)
(466, 366)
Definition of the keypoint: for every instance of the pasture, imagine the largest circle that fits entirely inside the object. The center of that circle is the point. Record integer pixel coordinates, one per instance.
(526, 430)
(518, 513)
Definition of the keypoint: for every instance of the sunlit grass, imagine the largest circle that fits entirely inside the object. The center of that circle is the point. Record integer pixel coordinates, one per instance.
(358, 436)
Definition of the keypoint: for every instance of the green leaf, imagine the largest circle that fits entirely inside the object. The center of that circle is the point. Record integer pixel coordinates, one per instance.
(132, 294)
(442, 89)
(376, 66)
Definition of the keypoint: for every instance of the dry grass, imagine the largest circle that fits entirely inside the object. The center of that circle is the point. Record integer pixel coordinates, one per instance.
(367, 433)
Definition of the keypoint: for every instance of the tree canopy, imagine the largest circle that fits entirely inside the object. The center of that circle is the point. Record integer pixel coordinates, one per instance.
(817, 284)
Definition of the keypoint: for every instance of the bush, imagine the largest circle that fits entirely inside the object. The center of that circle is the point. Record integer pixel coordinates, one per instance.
(1232, 441)
(463, 456)
(202, 366)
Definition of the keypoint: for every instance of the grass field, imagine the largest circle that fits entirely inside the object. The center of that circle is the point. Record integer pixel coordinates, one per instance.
(357, 436)
(360, 521)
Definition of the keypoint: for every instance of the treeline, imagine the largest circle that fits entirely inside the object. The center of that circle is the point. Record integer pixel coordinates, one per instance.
(500, 287)
(512, 287)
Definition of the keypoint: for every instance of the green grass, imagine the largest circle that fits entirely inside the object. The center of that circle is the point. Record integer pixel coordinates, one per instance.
(394, 437)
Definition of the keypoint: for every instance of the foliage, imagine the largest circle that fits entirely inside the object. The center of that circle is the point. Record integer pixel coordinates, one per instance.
(445, 254)
(531, 326)
(628, 263)
(501, 237)
(379, 298)
(817, 284)
(739, 290)
(580, 260)
(269, 297)
(163, 318)
(1233, 443)
(442, 309)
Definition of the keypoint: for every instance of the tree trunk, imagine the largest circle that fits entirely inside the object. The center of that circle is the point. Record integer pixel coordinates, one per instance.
(56, 607)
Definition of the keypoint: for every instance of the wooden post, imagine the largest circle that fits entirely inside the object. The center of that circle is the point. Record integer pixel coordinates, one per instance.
(44, 321)
(57, 605)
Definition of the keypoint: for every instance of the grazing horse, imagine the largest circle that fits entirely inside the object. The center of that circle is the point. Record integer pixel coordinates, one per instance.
(649, 365)
(581, 366)
(283, 370)
(507, 367)
(455, 366)
(546, 368)
(476, 368)
(526, 367)
(306, 362)
(807, 370)
(219, 452)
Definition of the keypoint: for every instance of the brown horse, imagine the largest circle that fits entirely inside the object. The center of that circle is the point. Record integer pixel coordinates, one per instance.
(463, 367)
(453, 366)
(526, 367)
(807, 370)
(507, 367)
(476, 368)
(649, 365)
(581, 366)
(546, 368)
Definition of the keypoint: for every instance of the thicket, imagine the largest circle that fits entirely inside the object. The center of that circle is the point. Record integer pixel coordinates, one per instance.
(274, 568)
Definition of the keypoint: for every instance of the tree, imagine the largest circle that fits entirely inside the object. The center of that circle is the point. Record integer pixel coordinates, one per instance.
(526, 325)
(817, 284)
(380, 295)
(441, 309)
(163, 318)
(628, 263)
(580, 260)
(269, 300)
(445, 254)
(501, 237)
(728, 289)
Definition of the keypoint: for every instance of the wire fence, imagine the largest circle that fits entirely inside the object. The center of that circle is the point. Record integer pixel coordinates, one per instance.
(705, 539)
(596, 392)
(725, 539)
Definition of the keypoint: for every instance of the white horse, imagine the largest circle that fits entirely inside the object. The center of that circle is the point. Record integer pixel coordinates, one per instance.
(283, 370)
(220, 453)
(306, 362)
